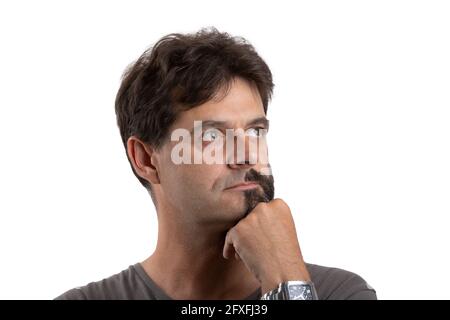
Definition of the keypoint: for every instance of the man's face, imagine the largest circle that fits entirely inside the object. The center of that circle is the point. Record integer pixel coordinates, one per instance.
(202, 192)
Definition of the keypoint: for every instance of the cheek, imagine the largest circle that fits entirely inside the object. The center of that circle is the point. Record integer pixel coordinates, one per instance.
(193, 178)
(206, 178)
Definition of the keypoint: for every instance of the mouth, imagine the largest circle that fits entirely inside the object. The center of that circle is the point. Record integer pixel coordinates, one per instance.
(243, 186)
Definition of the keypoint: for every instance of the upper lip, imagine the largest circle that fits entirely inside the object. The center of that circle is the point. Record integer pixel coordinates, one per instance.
(243, 184)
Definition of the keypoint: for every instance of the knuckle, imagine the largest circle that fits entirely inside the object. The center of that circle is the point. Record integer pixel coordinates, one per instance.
(231, 234)
(251, 218)
(242, 230)
(237, 230)
(262, 207)
(281, 204)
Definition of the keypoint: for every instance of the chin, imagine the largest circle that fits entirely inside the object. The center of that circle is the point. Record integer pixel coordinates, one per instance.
(233, 213)
(236, 212)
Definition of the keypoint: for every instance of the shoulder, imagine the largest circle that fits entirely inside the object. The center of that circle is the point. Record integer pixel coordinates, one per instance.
(123, 285)
(338, 284)
(73, 294)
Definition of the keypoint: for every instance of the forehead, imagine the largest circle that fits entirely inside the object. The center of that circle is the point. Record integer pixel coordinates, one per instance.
(241, 104)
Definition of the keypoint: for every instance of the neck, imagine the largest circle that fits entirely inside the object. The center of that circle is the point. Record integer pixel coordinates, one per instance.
(188, 263)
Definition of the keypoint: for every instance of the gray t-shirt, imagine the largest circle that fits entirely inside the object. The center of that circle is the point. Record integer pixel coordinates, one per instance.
(135, 284)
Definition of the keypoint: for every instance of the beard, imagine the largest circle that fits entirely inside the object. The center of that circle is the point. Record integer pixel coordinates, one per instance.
(236, 206)
(255, 196)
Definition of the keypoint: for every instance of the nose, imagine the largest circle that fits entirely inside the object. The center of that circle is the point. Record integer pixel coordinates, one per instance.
(242, 152)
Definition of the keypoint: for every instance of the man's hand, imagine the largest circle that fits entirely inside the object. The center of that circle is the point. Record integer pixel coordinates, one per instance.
(266, 241)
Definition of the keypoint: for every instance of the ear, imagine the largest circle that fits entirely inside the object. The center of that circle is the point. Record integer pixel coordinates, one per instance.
(143, 159)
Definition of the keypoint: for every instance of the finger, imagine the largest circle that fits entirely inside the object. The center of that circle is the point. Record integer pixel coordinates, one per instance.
(228, 248)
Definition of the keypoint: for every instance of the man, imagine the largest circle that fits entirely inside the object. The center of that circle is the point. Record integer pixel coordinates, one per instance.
(221, 233)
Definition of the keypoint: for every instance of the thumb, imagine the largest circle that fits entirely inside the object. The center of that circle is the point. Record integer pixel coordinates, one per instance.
(228, 248)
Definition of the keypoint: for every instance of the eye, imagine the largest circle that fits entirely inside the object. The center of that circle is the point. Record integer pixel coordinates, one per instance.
(256, 132)
(212, 134)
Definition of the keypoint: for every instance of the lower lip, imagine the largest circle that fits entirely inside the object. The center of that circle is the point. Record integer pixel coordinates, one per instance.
(245, 187)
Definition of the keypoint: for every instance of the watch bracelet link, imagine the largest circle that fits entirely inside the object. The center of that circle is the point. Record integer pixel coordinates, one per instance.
(281, 292)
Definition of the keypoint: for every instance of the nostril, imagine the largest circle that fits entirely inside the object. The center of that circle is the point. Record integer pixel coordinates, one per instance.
(244, 162)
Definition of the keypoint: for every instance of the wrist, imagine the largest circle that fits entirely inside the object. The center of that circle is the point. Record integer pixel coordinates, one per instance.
(276, 277)
(292, 290)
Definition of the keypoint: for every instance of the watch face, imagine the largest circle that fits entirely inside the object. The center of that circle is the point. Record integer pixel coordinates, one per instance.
(300, 292)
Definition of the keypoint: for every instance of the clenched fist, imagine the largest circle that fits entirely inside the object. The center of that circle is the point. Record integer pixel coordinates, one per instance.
(266, 241)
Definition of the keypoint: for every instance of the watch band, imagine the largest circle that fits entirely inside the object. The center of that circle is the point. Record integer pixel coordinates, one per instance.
(292, 290)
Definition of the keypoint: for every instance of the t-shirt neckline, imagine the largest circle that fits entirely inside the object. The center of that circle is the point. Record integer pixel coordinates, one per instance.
(161, 295)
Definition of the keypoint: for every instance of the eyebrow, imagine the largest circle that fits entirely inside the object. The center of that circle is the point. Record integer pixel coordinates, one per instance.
(225, 124)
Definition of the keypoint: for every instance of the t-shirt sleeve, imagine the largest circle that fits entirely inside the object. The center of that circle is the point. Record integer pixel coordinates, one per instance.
(353, 287)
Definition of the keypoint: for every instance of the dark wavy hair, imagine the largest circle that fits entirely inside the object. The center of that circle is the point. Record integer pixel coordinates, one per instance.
(179, 72)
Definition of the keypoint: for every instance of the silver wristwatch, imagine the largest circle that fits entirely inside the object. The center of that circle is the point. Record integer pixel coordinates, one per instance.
(292, 290)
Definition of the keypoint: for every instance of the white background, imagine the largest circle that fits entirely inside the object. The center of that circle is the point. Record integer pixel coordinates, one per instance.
(359, 138)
